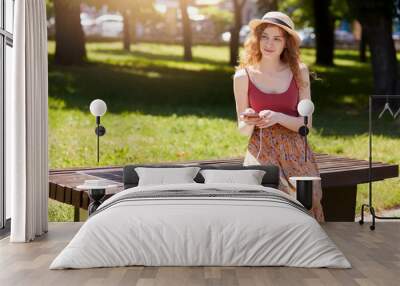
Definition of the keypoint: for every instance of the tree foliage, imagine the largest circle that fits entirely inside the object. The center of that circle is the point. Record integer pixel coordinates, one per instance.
(265, 6)
(221, 19)
(376, 17)
(302, 13)
(142, 10)
(49, 8)
(132, 12)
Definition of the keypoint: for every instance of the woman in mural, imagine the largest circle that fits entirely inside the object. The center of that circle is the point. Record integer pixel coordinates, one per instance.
(268, 84)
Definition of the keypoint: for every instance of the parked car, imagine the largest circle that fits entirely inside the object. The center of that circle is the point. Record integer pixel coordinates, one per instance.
(307, 37)
(51, 27)
(107, 25)
(344, 37)
(396, 35)
(243, 33)
(88, 24)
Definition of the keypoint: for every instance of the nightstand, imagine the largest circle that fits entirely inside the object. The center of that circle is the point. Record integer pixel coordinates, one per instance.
(304, 189)
(96, 193)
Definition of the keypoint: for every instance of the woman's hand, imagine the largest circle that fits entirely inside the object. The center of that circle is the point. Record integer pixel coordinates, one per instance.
(250, 117)
(268, 118)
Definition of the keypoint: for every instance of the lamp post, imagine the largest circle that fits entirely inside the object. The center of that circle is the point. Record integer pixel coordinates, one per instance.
(98, 107)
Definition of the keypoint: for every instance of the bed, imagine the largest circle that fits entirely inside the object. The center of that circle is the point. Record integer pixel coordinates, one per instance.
(201, 224)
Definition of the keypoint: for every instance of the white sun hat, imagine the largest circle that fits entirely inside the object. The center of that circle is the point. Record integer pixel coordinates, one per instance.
(279, 19)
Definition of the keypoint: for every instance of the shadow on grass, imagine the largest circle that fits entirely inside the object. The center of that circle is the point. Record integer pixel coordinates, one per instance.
(148, 89)
(158, 57)
(340, 96)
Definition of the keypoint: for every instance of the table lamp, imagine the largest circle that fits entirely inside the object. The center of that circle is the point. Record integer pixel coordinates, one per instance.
(98, 107)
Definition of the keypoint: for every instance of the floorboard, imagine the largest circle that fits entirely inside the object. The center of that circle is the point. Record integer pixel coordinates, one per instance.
(374, 255)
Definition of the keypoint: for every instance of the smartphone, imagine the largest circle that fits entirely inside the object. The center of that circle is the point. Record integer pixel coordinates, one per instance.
(250, 115)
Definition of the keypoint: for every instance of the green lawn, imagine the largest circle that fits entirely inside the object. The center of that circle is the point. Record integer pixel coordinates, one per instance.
(163, 109)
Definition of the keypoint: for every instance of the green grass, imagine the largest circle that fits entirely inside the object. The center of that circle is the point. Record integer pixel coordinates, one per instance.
(161, 108)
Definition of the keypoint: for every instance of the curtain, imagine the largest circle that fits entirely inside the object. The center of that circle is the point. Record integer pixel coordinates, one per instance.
(26, 123)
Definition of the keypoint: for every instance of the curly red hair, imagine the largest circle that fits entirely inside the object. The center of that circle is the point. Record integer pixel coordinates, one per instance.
(290, 55)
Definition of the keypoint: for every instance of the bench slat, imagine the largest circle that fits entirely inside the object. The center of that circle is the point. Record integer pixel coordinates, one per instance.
(335, 172)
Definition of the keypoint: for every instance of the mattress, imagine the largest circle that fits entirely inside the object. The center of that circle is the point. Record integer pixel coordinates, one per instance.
(201, 225)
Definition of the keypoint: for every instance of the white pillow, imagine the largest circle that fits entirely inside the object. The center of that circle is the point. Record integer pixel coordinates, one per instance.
(248, 177)
(162, 176)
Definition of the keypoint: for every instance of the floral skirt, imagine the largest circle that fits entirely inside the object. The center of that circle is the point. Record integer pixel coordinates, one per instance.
(285, 148)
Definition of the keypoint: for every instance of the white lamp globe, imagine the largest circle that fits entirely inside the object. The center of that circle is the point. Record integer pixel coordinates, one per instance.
(98, 107)
(305, 107)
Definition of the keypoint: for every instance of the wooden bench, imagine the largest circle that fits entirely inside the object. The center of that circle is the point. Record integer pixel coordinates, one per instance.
(340, 177)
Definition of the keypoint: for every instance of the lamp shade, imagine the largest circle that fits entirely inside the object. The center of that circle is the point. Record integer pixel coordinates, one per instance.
(305, 107)
(98, 107)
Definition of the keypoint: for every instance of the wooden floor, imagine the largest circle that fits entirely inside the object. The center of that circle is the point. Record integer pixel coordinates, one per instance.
(375, 256)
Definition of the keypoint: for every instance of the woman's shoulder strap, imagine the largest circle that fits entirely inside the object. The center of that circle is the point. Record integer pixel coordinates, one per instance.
(241, 73)
(247, 72)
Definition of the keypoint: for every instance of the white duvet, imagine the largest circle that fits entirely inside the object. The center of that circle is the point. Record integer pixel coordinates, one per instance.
(200, 231)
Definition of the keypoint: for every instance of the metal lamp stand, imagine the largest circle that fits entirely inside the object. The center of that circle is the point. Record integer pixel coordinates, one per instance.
(369, 205)
(100, 131)
(304, 186)
(303, 131)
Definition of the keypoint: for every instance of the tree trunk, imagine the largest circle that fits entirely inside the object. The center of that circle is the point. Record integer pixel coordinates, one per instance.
(324, 32)
(383, 54)
(70, 41)
(375, 17)
(127, 30)
(187, 31)
(363, 46)
(235, 30)
(133, 29)
(265, 6)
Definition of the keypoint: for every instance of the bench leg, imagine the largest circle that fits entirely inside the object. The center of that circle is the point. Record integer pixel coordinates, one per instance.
(76, 214)
(339, 203)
